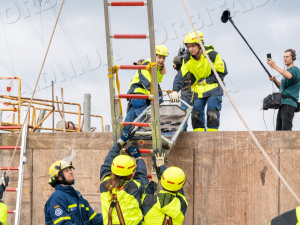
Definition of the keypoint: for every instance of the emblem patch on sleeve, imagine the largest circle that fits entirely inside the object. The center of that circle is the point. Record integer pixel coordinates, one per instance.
(58, 212)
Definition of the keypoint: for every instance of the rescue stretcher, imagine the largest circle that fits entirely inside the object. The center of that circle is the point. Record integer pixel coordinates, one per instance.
(172, 120)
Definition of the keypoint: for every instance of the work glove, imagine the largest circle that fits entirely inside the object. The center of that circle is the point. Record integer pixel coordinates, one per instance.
(159, 158)
(202, 81)
(134, 152)
(128, 133)
(154, 174)
(174, 97)
(3, 184)
(161, 99)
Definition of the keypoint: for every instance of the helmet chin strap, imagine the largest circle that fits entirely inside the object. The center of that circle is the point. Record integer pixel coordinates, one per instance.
(64, 181)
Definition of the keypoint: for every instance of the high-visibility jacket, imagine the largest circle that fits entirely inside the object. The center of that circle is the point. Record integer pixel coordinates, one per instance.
(141, 82)
(128, 196)
(166, 206)
(3, 213)
(202, 70)
(289, 218)
(67, 206)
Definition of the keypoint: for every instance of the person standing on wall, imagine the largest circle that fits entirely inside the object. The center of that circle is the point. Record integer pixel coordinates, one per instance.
(141, 84)
(186, 93)
(205, 86)
(289, 87)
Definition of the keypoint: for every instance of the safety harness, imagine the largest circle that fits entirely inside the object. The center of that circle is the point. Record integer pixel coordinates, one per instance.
(115, 204)
(167, 220)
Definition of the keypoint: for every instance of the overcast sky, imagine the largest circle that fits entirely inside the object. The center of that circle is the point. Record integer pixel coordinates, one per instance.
(78, 53)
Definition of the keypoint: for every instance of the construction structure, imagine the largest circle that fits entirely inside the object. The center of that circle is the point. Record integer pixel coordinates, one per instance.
(41, 111)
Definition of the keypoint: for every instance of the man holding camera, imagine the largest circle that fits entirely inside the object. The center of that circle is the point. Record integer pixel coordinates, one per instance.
(289, 87)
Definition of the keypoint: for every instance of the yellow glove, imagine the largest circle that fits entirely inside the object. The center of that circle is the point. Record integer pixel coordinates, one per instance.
(154, 175)
(174, 97)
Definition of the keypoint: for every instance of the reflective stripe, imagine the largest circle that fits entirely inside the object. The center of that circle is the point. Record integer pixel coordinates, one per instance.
(72, 206)
(86, 208)
(212, 129)
(199, 129)
(92, 216)
(62, 218)
(298, 215)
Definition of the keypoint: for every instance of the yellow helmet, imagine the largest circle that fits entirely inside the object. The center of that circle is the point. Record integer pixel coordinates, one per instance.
(123, 165)
(161, 50)
(55, 168)
(192, 38)
(173, 179)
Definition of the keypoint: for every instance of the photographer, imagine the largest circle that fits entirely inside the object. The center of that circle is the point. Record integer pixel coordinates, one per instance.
(289, 87)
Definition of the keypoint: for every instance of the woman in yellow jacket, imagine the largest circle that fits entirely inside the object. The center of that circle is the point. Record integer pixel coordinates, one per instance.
(170, 205)
(121, 193)
(141, 84)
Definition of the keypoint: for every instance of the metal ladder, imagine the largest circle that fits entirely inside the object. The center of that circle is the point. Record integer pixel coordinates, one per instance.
(17, 211)
(115, 99)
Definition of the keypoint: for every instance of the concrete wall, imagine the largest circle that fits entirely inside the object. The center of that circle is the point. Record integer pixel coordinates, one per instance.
(228, 180)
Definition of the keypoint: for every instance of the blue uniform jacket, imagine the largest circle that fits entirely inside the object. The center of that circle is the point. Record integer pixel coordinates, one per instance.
(141, 169)
(67, 206)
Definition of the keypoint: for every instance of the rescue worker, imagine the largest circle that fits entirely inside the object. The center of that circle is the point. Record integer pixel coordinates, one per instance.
(186, 93)
(121, 193)
(3, 207)
(141, 84)
(289, 218)
(66, 205)
(206, 89)
(170, 205)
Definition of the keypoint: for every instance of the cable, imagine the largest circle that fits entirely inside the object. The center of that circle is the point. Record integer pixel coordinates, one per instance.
(41, 70)
(238, 113)
(79, 53)
(56, 61)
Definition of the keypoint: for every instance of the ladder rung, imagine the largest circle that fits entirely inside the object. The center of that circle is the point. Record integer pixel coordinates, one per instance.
(10, 168)
(136, 124)
(11, 189)
(127, 3)
(133, 67)
(9, 147)
(135, 96)
(142, 150)
(10, 127)
(11, 211)
(129, 36)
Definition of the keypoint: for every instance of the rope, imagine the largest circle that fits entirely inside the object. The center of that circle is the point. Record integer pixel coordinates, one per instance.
(238, 113)
(41, 70)
(112, 72)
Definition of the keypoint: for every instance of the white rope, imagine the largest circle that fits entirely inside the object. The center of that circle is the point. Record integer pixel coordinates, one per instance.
(41, 70)
(240, 116)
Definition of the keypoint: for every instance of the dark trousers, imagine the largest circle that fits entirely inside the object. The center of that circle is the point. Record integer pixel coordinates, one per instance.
(285, 117)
